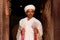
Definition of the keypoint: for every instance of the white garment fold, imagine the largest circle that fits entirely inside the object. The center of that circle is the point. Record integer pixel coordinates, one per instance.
(27, 24)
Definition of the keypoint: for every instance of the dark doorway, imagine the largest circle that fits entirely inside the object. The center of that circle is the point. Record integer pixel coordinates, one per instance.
(17, 12)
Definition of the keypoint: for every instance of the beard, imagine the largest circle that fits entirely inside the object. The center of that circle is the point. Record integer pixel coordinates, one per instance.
(30, 16)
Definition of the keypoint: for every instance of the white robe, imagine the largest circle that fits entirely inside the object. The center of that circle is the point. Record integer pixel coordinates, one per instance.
(27, 24)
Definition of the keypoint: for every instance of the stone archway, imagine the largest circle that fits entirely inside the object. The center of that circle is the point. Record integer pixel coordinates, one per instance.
(47, 20)
(4, 26)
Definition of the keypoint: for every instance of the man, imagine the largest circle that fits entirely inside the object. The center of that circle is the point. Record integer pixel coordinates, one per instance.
(29, 27)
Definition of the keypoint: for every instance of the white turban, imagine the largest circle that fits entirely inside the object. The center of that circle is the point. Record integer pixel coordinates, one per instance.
(29, 7)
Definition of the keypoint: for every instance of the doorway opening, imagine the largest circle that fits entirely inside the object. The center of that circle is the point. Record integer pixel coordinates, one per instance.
(17, 13)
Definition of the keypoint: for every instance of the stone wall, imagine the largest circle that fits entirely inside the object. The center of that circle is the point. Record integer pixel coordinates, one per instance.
(48, 23)
(4, 20)
(56, 13)
(1, 19)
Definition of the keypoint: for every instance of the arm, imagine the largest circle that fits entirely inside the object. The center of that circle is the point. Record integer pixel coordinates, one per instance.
(37, 26)
(20, 30)
(18, 33)
(18, 36)
(40, 30)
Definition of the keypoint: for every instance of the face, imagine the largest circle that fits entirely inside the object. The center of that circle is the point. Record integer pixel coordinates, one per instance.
(30, 13)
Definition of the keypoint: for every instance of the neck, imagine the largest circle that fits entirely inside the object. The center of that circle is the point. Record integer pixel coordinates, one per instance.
(29, 18)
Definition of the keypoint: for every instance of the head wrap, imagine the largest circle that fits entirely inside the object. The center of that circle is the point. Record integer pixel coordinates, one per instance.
(29, 7)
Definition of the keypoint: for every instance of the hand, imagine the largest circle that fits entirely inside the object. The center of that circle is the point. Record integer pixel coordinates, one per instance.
(23, 31)
(35, 29)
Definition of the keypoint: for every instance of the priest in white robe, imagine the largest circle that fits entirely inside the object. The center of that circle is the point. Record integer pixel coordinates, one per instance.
(30, 28)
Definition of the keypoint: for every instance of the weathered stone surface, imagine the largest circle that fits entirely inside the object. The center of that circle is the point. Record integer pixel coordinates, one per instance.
(56, 13)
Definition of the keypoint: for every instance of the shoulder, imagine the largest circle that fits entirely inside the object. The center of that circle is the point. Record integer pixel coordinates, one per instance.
(21, 20)
(36, 20)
